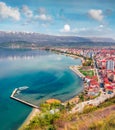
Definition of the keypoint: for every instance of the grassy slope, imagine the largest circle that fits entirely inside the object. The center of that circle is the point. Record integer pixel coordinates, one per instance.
(93, 118)
(102, 119)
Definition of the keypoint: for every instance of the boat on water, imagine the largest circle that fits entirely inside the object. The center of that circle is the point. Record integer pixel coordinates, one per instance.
(23, 88)
(18, 92)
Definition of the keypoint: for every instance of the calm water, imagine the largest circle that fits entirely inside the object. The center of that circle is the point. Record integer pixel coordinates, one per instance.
(47, 76)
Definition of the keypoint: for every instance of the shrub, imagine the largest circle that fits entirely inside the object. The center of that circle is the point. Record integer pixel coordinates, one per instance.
(88, 109)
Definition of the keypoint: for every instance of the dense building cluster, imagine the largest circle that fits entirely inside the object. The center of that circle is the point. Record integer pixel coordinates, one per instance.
(105, 63)
(104, 68)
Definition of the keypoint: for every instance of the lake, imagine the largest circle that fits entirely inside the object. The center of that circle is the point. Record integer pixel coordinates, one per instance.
(46, 75)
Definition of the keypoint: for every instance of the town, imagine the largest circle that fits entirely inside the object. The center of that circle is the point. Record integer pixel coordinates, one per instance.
(97, 69)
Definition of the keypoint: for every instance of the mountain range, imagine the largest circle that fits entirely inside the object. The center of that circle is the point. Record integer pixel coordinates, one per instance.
(28, 39)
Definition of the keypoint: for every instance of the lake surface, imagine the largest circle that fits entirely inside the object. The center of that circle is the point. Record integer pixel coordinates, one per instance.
(47, 75)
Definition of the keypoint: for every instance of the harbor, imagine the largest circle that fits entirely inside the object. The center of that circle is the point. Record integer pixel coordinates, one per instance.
(20, 100)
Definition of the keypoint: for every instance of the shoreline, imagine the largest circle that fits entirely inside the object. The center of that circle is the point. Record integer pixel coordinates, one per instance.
(70, 55)
(31, 115)
(75, 56)
(76, 71)
(36, 111)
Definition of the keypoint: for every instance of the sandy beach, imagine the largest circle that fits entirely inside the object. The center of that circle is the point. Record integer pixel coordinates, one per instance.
(34, 112)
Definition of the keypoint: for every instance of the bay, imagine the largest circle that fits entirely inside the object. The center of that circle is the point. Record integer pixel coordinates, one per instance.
(47, 75)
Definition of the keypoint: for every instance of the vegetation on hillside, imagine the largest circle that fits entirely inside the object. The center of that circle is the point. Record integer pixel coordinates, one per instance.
(57, 117)
(50, 114)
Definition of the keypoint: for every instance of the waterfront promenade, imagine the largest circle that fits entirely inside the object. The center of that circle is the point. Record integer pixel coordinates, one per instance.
(75, 69)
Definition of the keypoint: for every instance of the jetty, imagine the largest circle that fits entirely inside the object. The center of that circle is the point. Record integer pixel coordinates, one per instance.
(20, 100)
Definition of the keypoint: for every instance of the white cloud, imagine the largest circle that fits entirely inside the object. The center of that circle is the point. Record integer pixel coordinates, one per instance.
(98, 31)
(27, 12)
(101, 26)
(9, 12)
(96, 14)
(66, 28)
(43, 17)
(40, 15)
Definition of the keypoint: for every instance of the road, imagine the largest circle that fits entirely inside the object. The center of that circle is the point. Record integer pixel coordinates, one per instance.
(95, 102)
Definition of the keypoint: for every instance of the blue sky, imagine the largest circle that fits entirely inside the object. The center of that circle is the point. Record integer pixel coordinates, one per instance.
(59, 17)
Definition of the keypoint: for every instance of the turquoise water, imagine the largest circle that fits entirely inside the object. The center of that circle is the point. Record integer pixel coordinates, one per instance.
(47, 75)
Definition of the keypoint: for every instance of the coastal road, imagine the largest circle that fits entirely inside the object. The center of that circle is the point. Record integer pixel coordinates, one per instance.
(95, 102)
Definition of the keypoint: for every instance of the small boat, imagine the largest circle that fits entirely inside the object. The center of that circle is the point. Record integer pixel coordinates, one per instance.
(23, 88)
(18, 92)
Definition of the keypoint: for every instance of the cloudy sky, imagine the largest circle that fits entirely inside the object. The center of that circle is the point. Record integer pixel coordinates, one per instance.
(59, 17)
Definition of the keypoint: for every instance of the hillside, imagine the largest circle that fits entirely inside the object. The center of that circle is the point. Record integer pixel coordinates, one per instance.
(103, 119)
(92, 118)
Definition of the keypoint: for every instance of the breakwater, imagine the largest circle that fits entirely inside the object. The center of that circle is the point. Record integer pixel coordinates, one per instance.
(22, 101)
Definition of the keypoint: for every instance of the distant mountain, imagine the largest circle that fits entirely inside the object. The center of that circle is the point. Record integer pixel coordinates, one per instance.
(24, 38)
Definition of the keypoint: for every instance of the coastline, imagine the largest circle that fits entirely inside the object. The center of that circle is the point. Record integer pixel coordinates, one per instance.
(75, 56)
(70, 55)
(32, 114)
(75, 99)
(36, 111)
(75, 70)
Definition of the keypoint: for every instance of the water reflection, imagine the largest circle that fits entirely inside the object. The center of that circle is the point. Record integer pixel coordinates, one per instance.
(12, 54)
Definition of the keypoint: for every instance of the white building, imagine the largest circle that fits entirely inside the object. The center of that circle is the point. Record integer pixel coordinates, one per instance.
(110, 65)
